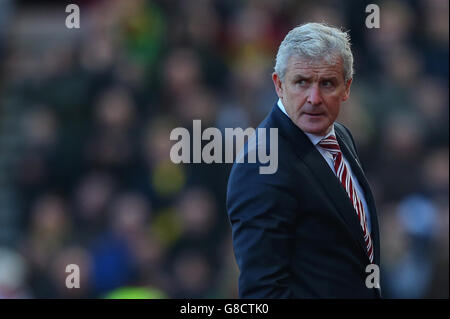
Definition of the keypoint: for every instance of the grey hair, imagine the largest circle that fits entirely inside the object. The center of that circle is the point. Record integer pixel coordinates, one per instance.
(315, 41)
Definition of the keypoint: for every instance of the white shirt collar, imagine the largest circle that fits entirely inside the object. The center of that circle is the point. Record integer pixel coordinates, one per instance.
(313, 138)
(281, 106)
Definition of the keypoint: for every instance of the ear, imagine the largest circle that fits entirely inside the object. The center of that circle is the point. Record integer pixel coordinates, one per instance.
(278, 85)
(347, 90)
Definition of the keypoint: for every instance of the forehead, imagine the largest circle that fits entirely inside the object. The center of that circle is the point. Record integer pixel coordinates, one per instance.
(312, 67)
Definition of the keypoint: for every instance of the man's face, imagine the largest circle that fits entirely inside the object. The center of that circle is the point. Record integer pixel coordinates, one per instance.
(312, 93)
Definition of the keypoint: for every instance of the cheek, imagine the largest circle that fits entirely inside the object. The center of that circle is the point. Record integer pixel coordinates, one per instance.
(297, 98)
(334, 112)
(333, 105)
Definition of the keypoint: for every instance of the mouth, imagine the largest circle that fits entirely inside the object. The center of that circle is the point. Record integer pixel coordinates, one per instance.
(315, 114)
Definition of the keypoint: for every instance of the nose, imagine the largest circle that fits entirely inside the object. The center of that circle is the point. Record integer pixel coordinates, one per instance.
(314, 96)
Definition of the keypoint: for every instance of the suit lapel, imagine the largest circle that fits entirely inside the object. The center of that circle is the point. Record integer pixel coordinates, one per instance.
(359, 173)
(306, 151)
(336, 192)
(357, 170)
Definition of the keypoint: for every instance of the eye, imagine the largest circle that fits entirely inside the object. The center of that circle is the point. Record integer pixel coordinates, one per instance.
(301, 82)
(327, 83)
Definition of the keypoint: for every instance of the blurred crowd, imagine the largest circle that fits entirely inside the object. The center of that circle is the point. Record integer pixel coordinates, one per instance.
(86, 115)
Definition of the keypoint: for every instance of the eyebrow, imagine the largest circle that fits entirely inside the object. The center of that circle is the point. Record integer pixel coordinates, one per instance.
(304, 77)
(301, 77)
(331, 78)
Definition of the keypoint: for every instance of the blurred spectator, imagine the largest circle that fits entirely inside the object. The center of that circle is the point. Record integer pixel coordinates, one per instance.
(13, 275)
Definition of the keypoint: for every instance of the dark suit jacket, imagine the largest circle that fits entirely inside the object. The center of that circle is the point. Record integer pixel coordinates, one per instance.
(295, 232)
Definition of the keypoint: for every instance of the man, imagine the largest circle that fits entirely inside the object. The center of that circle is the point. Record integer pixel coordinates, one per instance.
(310, 229)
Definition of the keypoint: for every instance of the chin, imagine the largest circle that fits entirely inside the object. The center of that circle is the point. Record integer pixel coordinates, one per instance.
(314, 129)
